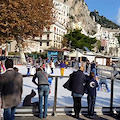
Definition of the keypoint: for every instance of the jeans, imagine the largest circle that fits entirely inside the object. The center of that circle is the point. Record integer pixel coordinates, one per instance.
(28, 71)
(43, 91)
(91, 104)
(94, 70)
(9, 113)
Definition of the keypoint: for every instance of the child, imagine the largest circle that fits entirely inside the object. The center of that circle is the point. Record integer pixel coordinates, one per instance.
(27, 100)
(91, 85)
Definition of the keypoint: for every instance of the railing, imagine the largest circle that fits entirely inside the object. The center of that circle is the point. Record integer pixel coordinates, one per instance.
(110, 73)
(106, 74)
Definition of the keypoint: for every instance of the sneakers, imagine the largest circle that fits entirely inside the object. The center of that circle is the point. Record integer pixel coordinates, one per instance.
(91, 117)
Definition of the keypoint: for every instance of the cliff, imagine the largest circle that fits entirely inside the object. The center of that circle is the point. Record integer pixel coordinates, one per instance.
(79, 12)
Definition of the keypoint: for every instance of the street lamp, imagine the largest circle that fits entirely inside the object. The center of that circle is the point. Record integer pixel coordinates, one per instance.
(77, 49)
(70, 43)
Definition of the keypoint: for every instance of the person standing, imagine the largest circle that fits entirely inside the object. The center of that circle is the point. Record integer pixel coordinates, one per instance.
(76, 84)
(91, 85)
(114, 65)
(87, 65)
(11, 84)
(2, 67)
(62, 68)
(97, 68)
(52, 66)
(28, 68)
(93, 67)
(43, 90)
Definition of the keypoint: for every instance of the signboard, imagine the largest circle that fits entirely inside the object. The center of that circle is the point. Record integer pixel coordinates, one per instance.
(54, 53)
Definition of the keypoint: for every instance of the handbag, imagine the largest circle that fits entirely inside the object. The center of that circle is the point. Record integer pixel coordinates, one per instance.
(68, 84)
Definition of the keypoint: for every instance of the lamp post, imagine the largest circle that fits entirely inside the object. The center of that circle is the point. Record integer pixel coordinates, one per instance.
(77, 49)
(70, 43)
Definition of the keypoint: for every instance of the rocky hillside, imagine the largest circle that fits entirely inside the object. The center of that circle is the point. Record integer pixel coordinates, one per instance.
(103, 21)
(79, 12)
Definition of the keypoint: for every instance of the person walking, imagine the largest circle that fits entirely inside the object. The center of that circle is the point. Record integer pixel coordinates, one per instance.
(76, 84)
(43, 90)
(91, 85)
(11, 84)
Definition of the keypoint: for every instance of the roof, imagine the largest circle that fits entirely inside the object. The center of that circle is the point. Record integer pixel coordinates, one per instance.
(74, 54)
(56, 50)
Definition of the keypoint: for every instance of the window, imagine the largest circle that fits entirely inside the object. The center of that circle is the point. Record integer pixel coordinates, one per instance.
(48, 28)
(40, 36)
(47, 43)
(47, 36)
(40, 43)
(54, 29)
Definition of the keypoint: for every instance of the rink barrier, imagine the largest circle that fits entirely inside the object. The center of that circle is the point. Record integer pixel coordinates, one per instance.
(33, 111)
(60, 110)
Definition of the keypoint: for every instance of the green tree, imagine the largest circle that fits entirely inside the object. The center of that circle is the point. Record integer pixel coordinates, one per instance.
(23, 19)
(79, 40)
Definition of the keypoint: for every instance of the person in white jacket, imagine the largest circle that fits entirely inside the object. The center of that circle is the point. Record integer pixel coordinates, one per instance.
(52, 66)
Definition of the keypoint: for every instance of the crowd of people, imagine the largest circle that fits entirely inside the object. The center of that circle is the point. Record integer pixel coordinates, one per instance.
(11, 85)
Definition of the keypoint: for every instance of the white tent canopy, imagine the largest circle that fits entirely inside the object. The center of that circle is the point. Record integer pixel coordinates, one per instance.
(76, 54)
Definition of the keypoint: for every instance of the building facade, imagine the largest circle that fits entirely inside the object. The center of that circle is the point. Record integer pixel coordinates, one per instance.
(52, 36)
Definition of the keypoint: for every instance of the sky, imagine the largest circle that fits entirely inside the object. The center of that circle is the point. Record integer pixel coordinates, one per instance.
(108, 8)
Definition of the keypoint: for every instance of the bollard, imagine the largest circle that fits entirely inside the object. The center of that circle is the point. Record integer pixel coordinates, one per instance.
(111, 96)
(55, 97)
(0, 107)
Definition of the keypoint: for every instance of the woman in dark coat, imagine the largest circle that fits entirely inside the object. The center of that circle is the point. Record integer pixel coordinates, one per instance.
(76, 85)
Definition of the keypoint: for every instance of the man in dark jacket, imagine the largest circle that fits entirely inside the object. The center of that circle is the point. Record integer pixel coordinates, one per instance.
(11, 84)
(77, 82)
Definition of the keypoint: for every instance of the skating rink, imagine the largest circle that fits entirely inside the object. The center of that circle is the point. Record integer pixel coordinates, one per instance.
(64, 97)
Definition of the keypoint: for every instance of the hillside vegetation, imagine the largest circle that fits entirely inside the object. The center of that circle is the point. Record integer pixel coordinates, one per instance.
(103, 21)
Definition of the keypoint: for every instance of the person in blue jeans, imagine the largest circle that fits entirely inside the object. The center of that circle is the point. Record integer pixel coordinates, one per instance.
(93, 67)
(91, 85)
(43, 90)
(11, 86)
